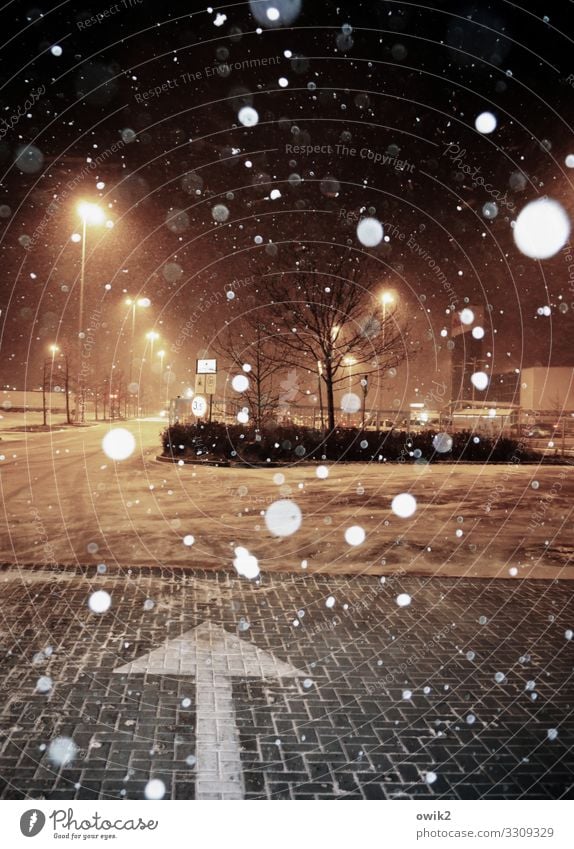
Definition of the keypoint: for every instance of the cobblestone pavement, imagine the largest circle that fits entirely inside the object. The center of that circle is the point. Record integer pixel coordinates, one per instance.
(392, 695)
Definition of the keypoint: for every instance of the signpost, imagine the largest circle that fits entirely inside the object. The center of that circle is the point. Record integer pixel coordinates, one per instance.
(206, 366)
(206, 379)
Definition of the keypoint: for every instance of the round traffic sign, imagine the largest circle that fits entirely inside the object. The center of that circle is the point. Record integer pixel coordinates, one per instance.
(199, 406)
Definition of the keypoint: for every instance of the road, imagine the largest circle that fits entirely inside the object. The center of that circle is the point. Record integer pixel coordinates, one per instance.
(66, 503)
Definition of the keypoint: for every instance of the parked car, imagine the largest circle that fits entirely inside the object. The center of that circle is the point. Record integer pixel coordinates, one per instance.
(540, 430)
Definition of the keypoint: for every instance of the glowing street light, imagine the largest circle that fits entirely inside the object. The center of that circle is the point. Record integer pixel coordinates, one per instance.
(152, 336)
(53, 350)
(91, 213)
(138, 302)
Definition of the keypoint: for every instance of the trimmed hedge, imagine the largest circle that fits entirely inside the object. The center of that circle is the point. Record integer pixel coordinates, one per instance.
(236, 443)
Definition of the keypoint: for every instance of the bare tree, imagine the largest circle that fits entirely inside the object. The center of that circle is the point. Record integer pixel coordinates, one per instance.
(58, 370)
(326, 320)
(118, 392)
(247, 341)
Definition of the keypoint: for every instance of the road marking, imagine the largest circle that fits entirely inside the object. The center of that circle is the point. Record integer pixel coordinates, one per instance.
(213, 656)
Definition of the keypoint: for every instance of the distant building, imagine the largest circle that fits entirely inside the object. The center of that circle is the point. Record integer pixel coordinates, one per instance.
(504, 388)
(549, 389)
(467, 351)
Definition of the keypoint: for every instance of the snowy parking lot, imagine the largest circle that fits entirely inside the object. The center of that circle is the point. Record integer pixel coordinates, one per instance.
(66, 502)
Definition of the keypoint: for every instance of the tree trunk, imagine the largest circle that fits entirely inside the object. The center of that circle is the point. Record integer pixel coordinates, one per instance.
(259, 404)
(67, 389)
(330, 399)
(44, 394)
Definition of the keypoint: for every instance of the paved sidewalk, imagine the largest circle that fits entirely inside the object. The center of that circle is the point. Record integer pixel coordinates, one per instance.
(323, 687)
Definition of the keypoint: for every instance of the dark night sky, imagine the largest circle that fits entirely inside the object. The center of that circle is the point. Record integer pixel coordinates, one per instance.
(382, 78)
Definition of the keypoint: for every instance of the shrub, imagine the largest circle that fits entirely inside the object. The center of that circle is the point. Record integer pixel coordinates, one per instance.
(237, 443)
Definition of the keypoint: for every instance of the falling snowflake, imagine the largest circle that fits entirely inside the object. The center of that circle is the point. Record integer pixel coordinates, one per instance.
(62, 751)
(283, 517)
(154, 789)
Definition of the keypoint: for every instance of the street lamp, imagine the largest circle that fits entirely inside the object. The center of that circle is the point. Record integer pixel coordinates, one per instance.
(365, 387)
(90, 213)
(151, 336)
(168, 379)
(133, 304)
(53, 350)
(349, 361)
(387, 298)
(161, 355)
(320, 376)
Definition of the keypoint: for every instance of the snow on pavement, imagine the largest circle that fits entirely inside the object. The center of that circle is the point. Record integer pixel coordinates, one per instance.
(67, 502)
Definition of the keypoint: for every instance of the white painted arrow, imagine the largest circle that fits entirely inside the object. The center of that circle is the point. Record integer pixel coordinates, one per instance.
(213, 656)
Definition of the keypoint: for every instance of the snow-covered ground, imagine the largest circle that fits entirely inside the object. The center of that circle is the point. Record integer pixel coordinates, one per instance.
(9, 420)
(66, 502)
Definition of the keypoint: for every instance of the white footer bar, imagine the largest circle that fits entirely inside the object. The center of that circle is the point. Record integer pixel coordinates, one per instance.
(283, 824)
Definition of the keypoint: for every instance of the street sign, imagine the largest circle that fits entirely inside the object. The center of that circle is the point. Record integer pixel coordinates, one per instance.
(205, 383)
(206, 366)
(199, 406)
(213, 657)
(210, 383)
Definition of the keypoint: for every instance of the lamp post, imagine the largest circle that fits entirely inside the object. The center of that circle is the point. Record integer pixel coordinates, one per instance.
(365, 387)
(53, 350)
(151, 336)
(320, 376)
(161, 355)
(167, 387)
(386, 300)
(349, 361)
(133, 304)
(90, 213)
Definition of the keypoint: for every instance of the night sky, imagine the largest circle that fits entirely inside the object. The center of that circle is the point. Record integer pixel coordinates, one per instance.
(363, 108)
